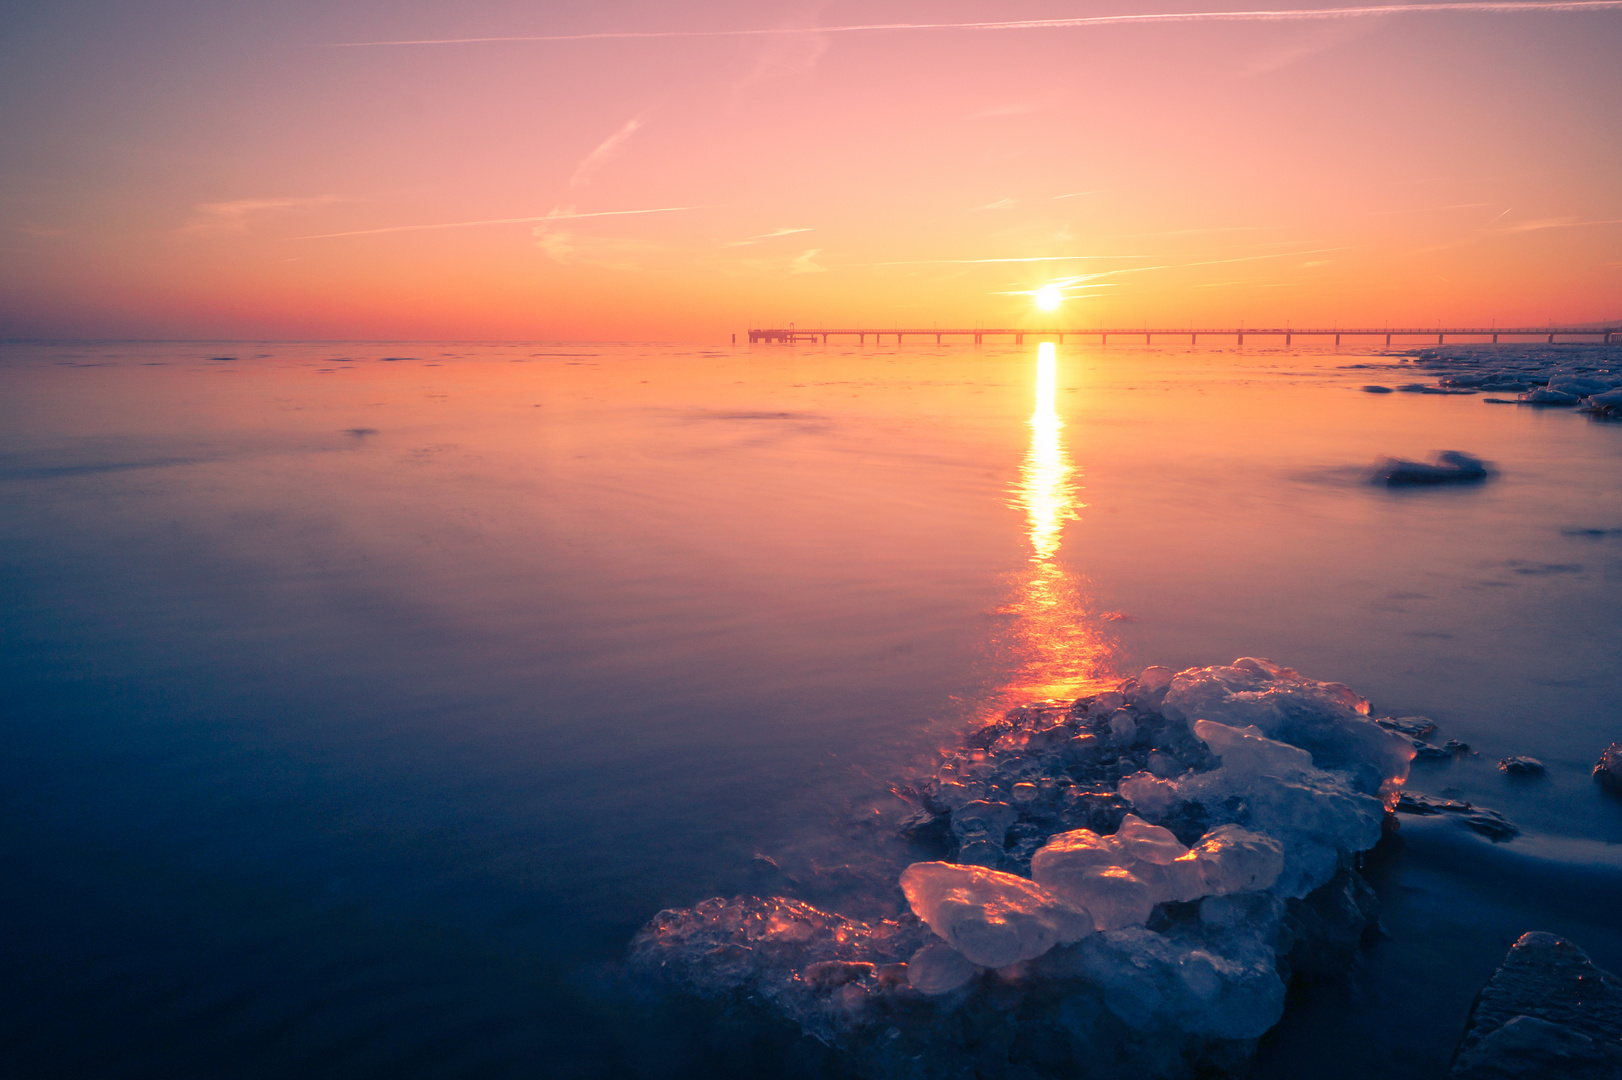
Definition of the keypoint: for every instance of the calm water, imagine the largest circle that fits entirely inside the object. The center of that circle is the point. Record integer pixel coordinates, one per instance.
(362, 701)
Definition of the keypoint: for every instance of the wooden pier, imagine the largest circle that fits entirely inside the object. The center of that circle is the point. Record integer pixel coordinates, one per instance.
(793, 336)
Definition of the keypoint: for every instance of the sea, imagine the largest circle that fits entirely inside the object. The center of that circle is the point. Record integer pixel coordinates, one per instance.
(362, 700)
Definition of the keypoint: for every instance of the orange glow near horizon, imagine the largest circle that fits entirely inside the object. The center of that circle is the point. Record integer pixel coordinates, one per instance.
(255, 174)
(1060, 651)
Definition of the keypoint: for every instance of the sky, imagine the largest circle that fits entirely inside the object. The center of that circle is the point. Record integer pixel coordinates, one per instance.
(683, 171)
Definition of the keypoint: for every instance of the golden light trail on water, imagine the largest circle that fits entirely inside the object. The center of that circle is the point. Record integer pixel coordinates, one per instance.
(1060, 650)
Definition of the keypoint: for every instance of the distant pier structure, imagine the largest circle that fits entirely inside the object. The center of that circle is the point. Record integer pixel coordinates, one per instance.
(793, 336)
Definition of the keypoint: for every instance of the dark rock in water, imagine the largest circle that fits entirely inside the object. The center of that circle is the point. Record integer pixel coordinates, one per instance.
(1450, 467)
(1489, 823)
(1457, 747)
(1522, 766)
(1415, 727)
(1376, 389)
(1608, 769)
(1546, 1012)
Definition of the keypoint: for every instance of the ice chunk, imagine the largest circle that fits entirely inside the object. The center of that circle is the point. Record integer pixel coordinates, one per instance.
(1143, 842)
(1579, 385)
(994, 919)
(1233, 860)
(1248, 754)
(937, 968)
(1123, 728)
(1150, 795)
(1151, 982)
(1112, 895)
(1120, 878)
(1544, 396)
(983, 820)
(1313, 814)
(1326, 719)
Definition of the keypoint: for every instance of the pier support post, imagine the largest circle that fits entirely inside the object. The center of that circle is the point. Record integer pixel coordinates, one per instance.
(1337, 341)
(1551, 339)
(1241, 337)
(1061, 339)
(1148, 338)
(1193, 339)
(1388, 341)
(1495, 338)
(1019, 339)
(977, 339)
(1439, 339)
(1103, 339)
(1287, 338)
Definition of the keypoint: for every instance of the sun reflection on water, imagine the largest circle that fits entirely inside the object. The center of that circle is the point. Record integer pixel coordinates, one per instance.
(1058, 649)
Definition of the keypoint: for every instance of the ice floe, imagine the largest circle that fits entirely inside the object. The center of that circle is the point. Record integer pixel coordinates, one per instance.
(1128, 881)
(1582, 375)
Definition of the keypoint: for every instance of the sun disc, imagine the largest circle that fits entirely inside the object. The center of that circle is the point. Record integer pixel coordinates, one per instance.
(1049, 297)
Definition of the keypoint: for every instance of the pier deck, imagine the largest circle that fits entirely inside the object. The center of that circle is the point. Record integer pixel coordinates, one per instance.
(792, 336)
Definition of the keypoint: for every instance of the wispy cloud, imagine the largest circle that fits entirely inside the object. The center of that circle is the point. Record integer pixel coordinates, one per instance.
(1021, 259)
(599, 157)
(773, 235)
(556, 215)
(1538, 224)
(1438, 209)
(1214, 229)
(603, 252)
(805, 262)
(1079, 194)
(1001, 204)
(225, 218)
(1492, 7)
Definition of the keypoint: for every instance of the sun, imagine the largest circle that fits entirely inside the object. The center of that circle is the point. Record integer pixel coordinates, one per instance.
(1049, 297)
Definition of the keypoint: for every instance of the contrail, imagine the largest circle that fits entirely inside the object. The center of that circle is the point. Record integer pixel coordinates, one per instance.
(1492, 7)
(492, 221)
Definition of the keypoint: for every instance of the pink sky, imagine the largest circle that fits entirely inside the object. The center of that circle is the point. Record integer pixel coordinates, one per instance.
(185, 169)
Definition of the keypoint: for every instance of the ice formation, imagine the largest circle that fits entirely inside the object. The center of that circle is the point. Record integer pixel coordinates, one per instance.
(993, 919)
(1120, 886)
(1583, 375)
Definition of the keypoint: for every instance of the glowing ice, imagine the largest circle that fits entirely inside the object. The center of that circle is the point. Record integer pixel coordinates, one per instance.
(994, 919)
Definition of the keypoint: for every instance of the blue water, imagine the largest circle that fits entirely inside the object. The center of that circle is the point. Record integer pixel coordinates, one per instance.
(359, 709)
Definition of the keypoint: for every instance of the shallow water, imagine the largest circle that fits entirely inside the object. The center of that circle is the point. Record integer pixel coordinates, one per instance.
(360, 709)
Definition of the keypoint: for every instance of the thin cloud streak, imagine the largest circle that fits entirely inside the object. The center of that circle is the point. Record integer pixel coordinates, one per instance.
(1553, 223)
(493, 221)
(1025, 259)
(605, 150)
(1493, 7)
(760, 238)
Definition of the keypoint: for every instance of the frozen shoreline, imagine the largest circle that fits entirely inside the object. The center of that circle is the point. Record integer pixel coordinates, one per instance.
(1195, 841)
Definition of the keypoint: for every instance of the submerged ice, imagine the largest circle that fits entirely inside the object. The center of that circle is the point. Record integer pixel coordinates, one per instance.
(1129, 880)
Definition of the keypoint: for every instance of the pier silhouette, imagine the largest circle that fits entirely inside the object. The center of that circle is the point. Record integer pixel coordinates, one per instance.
(793, 336)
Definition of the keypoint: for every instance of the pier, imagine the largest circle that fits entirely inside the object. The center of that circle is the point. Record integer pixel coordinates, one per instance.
(793, 336)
